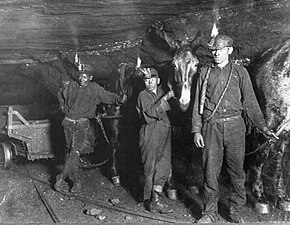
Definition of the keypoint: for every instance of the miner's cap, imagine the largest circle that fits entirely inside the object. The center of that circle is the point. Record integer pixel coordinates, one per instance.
(220, 41)
(86, 69)
(150, 72)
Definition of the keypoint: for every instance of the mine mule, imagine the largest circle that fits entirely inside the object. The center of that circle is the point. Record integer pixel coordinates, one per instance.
(273, 83)
(114, 120)
(183, 81)
(185, 65)
(177, 75)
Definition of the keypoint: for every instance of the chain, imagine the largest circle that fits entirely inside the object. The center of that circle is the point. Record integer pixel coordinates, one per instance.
(105, 116)
(87, 164)
(98, 118)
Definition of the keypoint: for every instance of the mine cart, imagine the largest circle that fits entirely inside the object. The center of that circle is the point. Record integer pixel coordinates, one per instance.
(32, 139)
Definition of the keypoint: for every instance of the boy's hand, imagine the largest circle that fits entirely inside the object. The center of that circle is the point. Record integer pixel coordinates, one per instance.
(168, 95)
(122, 99)
(198, 140)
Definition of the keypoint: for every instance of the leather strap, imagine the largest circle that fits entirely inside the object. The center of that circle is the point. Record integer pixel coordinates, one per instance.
(222, 95)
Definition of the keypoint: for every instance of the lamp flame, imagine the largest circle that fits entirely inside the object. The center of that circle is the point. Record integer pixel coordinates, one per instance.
(214, 31)
(76, 58)
(78, 63)
(138, 65)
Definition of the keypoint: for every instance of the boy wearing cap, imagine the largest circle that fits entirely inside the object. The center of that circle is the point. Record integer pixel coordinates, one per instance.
(224, 90)
(155, 140)
(78, 101)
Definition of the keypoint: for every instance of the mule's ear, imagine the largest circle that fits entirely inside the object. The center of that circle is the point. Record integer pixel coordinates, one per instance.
(122, 70)
(197, 40)
(170, 41)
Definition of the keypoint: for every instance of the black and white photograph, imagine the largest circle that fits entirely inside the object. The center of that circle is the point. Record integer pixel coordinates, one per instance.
(145, 112)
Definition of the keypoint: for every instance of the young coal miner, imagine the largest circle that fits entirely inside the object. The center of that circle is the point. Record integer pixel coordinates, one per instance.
(224, 90)
(78, 101)
(155, 140)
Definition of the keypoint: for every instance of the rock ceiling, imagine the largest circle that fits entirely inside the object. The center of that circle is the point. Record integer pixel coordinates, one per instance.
(32, 27)
(41, 28)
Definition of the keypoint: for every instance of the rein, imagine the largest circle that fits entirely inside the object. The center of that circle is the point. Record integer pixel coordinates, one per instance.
(271, 140)
(181, 83)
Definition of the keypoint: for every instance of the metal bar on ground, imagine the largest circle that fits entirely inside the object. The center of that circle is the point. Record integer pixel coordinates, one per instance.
(105, 205)
(126, 210)
(43, 199)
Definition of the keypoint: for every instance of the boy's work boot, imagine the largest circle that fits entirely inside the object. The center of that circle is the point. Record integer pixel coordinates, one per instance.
(235, 216)
(59, 181)
(209, 218)
(76, 187)
(147, 203)
(157, 207)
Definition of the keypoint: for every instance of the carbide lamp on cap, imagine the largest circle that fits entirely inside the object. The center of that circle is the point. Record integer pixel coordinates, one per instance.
(86, 69)
(219, 42)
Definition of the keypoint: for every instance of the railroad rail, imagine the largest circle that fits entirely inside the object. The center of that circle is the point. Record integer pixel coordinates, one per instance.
(55, 218)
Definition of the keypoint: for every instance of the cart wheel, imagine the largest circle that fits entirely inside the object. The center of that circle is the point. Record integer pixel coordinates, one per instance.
(5, 155)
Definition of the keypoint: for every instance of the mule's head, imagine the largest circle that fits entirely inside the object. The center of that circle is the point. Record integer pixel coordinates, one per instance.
(185, 67)
(185, 64)
(130, 80)
(127, 80)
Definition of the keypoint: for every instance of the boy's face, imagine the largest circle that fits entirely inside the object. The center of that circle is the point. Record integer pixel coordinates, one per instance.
(84, 79)
(221, 55)
(151, 83)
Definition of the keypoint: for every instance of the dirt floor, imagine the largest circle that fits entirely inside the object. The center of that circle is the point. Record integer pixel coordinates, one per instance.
(22, 185)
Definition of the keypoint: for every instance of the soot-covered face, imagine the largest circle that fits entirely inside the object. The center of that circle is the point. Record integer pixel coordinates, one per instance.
(151, 83)
(84, 79)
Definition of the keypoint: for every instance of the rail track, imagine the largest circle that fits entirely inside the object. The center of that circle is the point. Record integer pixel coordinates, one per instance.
(53, 213)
